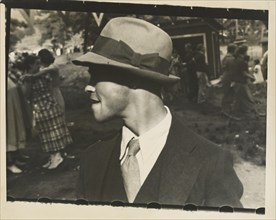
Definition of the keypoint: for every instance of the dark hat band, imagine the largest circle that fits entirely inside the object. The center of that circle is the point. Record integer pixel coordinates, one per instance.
(121, 52)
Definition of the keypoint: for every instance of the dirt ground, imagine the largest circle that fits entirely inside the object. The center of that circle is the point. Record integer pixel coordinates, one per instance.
(245, 139)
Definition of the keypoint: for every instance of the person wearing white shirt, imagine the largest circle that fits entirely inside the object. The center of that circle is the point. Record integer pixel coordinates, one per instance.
(151, 144)
(154, 157)
(258, 72)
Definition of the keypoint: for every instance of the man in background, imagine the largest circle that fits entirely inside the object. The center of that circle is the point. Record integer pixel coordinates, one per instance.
(228, 92)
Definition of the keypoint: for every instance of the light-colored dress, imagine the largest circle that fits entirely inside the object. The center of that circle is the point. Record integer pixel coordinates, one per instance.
(16, 133)
(258, 74)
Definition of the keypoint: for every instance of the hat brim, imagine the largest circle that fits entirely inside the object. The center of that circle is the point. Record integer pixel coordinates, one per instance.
(93, 58)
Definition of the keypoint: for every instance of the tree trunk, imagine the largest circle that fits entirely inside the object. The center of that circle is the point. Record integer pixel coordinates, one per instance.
(86, 33)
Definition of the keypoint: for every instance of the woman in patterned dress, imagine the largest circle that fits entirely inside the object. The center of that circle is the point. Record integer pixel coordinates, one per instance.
(47, 114)
(48, 67)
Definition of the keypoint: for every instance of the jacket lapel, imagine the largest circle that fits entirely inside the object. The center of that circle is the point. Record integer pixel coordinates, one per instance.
(113, 187)
(99, 181)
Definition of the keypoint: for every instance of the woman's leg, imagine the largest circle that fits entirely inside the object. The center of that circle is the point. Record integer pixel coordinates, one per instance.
(11, 163)
(56, 160)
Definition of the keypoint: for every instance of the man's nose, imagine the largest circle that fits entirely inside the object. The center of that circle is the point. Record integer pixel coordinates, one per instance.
(89, 89)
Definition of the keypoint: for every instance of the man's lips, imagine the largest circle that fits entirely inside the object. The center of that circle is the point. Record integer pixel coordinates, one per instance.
(95, 101)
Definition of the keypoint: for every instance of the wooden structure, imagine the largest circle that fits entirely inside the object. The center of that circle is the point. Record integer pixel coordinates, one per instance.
(197, 31)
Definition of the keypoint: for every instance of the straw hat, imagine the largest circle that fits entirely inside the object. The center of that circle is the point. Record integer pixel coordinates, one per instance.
(133, 44)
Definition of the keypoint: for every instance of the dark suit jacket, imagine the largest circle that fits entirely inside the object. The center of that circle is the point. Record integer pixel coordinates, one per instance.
(190, 169)
(237, 67)
(200, 63)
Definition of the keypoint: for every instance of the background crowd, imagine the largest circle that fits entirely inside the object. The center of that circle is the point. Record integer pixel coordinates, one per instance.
(238, 72)
(35, 102)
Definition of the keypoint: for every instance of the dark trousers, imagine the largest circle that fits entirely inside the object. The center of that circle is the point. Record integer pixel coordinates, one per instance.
(227, 98)
(193, 86)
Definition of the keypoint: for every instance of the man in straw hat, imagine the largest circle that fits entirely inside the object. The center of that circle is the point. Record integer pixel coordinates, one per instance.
(154, 158)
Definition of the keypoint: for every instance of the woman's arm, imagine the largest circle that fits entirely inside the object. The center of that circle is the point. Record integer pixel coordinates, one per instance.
(249, 77)
(48, 70)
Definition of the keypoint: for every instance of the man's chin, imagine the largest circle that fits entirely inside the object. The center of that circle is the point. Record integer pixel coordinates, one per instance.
(99, 118)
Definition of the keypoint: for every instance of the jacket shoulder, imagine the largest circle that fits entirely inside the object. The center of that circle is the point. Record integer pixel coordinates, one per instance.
(201, 147)
(224, 186)
(98, 149)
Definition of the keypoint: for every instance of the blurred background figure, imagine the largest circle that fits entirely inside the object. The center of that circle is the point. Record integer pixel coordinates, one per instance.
(244, 104)
(47, 113)
(228, 93)
(258, 75)
(192, 85)
(202, 75)
(47, 64)
(171, 93)
(16, 131)
(15, 73)
(258, 72)
(264, 65)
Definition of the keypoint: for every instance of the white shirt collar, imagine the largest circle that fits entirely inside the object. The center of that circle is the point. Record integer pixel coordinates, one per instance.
(147, 139)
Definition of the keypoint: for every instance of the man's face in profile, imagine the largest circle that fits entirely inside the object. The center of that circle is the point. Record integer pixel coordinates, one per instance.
(109, 96)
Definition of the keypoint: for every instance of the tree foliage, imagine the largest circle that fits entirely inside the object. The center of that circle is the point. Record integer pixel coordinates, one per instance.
(64, 29)
(61, 26)
(251, 30)
(17, 32)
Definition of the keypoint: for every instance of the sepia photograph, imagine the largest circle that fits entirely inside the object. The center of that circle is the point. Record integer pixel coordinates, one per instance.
(136, 105)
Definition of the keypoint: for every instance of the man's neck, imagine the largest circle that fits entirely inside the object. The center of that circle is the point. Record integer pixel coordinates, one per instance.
(144, 114)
